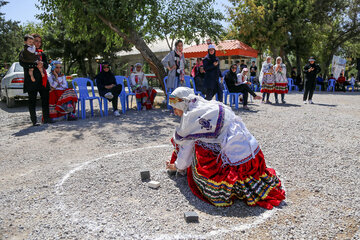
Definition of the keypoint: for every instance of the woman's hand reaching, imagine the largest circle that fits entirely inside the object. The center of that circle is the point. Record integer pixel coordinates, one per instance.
(170, 166)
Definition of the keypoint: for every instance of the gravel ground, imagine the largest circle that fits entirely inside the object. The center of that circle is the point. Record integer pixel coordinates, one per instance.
(81, 180)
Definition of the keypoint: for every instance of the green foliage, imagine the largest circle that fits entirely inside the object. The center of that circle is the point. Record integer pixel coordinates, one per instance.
(188, 20)
(11, 39)
(296, 29)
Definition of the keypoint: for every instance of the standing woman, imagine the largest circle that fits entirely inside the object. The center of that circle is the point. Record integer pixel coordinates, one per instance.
(267, 79)
(40, 85)
(212, 73)
(281, 82)
(175, 63)
(62, 99)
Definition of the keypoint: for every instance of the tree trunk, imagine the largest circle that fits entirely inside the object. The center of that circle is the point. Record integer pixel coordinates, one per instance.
(134, 38)
(69, 67)
(82, 66)
(91, 70)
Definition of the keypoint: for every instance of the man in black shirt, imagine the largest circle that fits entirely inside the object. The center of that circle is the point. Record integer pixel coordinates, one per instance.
(253, 69)
(311, 70)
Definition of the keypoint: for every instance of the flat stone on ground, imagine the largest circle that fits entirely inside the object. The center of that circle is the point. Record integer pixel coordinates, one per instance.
(145, 175)
(191, 217)
(154, 184)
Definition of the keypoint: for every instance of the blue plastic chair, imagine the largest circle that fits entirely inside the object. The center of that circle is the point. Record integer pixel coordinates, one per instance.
(83, 95)
(352, 87)
(254, 87)
(291, 85)
(224, 72)
(331, 84)
(132, 94)
(168, 92)
(318, 85)
(231, 96)
(122, 96)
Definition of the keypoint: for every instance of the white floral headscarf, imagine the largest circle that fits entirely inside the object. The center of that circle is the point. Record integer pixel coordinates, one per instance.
(181, 97)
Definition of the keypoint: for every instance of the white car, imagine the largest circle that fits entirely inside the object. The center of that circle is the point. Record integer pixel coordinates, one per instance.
(12, 85)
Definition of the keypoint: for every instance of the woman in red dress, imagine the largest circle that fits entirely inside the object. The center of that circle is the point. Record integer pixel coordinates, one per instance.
(62, 99)
(222, 159)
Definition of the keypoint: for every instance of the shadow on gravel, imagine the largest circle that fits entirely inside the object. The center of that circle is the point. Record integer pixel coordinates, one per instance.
(286, 105)
(30, 130)
(20, 106)
(137, 123)
(325, 105)
(239, 209)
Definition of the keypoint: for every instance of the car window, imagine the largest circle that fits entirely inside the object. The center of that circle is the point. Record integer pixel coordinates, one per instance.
(18, 68)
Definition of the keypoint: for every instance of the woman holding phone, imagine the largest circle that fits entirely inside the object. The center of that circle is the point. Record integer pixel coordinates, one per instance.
(62, 99)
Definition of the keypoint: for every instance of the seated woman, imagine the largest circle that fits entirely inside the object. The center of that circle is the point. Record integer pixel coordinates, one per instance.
(223, 160)
(145, 95)
(238, 83)
(62, 99)
(108, 87)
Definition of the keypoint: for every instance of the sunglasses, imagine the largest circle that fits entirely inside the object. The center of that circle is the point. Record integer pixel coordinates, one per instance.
(106, 67)
(234, 68)
(59, 67)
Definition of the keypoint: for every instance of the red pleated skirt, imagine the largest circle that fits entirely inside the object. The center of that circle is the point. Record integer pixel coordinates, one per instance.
(220, 184)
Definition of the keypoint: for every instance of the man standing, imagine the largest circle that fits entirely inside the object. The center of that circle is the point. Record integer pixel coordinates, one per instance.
(242, 65)
(253, 69)
(310, 71)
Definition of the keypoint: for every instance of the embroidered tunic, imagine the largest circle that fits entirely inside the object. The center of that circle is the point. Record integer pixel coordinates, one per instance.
(223, 160)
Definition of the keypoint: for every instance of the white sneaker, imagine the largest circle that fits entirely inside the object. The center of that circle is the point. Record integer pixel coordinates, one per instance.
(311, 102)
(109, 95)
(305, 102)
(116, 113)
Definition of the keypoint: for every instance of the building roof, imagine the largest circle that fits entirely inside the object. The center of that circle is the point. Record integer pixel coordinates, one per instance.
(156, 47)
(224, 48)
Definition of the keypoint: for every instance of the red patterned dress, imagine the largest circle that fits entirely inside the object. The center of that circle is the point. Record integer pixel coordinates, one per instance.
(145, 95)
(62, 100)
(224, 162)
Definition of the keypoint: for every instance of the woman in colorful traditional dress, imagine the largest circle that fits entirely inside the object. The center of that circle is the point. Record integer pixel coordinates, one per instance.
(267, 79)
(281, 82)
(222, 159)
(145, 95)
(62, 99)
(174, 62)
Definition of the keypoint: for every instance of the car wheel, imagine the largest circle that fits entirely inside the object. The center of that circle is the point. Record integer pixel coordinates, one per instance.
(2, 97)
(10, 102)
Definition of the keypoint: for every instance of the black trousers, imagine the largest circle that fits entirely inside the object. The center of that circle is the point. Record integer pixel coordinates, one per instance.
(115, 91)
(245, 90)
(44, 94)
(310, 85)
(282, 96)
(342, 86)
(210, 92)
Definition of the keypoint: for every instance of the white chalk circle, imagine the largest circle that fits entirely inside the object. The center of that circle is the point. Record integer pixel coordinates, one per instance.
(126, 198)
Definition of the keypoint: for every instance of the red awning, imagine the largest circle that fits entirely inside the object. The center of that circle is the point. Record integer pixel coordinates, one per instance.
(224, 48)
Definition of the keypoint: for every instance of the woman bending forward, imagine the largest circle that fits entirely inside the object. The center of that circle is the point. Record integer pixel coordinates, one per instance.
(222, 159)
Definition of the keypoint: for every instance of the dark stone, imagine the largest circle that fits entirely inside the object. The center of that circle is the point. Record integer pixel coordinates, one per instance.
(145, 175)
(171, 173)
(191, 217)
